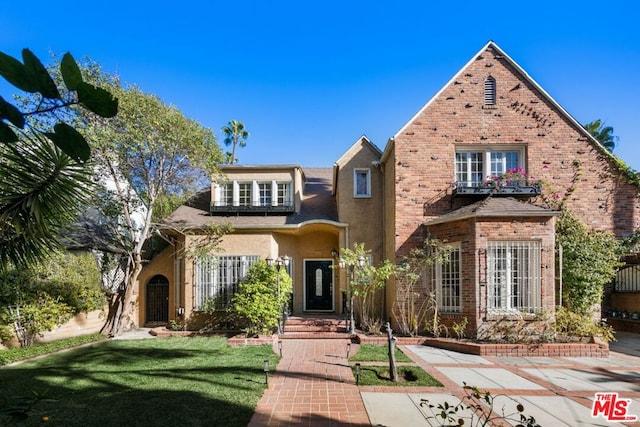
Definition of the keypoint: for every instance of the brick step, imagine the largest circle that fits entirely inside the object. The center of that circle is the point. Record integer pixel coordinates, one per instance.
(309, 328)
(315, 321)
(314, 335)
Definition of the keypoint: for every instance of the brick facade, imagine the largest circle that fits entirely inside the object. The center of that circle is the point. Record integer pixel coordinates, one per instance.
(557, 151)
(574, 170)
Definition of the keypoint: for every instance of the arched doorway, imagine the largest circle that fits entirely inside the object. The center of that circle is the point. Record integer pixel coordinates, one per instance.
(157, 300)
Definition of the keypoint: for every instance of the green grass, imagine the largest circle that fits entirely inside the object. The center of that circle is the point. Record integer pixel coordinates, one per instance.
(412, 376)
(20, 353)
(377, 353)
(196, 381)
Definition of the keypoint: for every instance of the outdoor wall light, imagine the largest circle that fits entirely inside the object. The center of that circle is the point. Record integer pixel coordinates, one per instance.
(361, 261)
(266, 371)
(334, 253)
(357, 373)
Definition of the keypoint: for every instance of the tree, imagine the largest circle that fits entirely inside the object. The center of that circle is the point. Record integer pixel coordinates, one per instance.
(149, 151)
(43, 180)
(235, 135)
(365, 282)
(413, 300)
(603, 134)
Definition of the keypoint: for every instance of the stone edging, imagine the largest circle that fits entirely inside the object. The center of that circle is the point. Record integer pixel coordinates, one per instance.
(595, 349)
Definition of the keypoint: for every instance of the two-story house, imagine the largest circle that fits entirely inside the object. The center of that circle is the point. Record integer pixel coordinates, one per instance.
(480, 166)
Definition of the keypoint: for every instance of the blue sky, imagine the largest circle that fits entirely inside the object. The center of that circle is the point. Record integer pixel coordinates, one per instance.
(308, 78)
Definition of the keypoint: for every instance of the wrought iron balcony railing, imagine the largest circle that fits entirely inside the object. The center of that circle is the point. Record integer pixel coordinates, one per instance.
(512, 188)
(219, 208)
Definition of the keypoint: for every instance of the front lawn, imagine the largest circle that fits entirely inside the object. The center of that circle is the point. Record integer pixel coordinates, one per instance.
(374, 375)
(412, 376)
(197, 381)
(377, 353)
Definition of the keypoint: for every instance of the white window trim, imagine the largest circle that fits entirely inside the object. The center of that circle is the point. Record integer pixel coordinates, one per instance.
(486, 158)
(219, 199)
(356, 171)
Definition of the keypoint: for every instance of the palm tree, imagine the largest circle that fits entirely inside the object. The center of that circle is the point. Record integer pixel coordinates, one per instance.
(604, 134)
(42, 190)
(235, 134)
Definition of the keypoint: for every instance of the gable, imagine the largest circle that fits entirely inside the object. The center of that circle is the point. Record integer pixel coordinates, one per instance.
(519, 118)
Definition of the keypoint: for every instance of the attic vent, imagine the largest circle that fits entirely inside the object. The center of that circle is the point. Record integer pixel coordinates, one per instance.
(490, 91)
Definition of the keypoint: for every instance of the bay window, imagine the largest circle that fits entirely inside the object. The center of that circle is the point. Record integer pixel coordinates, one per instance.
(513, 277)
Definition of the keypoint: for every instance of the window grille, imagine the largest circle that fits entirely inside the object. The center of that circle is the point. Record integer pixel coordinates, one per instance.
(448, 278)
(264, 189)
(628, 279)
(490, 91)
(244, 193)
(217, 278)
(226, 194)
(469, 168)
(502, 161)
(513, 277)
(473, 168)
(284, 194)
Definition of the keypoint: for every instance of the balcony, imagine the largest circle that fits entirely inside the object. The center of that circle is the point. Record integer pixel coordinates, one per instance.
(513, 188)
(267, 209)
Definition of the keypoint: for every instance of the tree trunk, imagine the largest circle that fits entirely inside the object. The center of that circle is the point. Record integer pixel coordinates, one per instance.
(391, 340)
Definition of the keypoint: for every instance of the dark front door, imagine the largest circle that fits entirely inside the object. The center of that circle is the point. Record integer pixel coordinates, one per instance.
(158, 300)
(318, 282)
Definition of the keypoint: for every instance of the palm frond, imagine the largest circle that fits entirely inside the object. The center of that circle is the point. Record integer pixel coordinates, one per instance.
(41, 191)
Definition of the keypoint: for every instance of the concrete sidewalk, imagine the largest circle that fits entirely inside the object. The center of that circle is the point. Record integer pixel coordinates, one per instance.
(555, 391)
(313, 386)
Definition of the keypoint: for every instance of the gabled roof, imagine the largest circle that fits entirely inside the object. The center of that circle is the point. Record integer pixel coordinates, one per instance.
(348, 155)
(362, 141)
(494, 207)
(492, 45)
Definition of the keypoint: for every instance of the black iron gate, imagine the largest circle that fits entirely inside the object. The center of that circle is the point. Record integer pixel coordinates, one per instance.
(158, 300)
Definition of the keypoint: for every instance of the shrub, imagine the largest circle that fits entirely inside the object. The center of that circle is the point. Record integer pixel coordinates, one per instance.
(257, 298)
(42, 313)
(589, 261)
(45, 295)
(577, 325)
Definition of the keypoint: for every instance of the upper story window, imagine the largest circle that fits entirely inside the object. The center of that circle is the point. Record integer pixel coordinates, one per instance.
(244, 193)
(490, 91)
(284, 193)
(253, 196)
(362, 182)
(264, 190)
(475, 166)
(226, 194)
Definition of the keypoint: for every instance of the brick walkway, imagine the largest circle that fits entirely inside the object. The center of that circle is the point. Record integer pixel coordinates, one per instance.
(312, 386)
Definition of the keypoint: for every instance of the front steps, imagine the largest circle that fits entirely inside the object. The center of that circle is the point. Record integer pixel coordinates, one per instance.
(316, 327)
